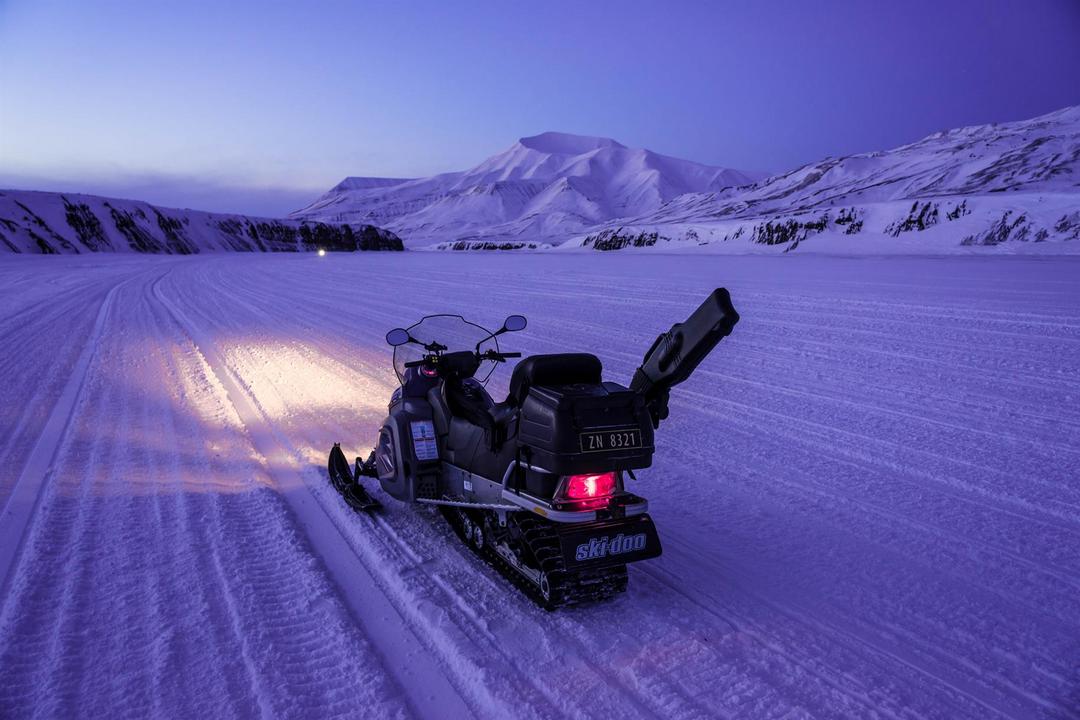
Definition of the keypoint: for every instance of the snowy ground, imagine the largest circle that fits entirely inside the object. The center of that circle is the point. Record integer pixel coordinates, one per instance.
(868, 496)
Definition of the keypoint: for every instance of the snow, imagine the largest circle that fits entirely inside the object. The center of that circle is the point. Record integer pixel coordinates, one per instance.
(867, 495)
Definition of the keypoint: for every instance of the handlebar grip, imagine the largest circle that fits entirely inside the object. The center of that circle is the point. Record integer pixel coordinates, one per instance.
(509, 355)
(414, 363)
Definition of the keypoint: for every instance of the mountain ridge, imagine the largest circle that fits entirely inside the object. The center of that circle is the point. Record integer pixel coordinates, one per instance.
(33, 221)
(995, 184)
(543, 186)
(1014, 186)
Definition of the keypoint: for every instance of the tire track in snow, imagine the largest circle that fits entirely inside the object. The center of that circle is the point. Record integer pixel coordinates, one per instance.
(431, 693)
(91, 577)
(116, 608)
(660, 697)
(424, 612)
(203, 557)
(936, 658)
(655, 686)
(43, 586)
(24, 497)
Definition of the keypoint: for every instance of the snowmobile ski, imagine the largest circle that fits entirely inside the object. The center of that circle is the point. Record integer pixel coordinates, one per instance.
(347, 482)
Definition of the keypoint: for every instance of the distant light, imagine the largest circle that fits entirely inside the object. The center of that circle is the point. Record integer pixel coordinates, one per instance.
(322, 252)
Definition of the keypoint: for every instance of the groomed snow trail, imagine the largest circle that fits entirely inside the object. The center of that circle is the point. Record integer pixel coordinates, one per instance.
(868, 495)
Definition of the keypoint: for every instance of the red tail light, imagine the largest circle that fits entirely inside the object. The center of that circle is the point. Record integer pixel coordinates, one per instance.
(588, 487)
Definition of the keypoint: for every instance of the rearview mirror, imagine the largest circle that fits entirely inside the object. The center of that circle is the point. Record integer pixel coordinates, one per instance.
(515, 323)
(397, 336)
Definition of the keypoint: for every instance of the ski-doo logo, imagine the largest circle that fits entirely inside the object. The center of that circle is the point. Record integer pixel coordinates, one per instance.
(604, 546)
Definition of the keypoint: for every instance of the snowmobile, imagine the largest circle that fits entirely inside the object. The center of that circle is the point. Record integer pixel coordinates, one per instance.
(535, 484)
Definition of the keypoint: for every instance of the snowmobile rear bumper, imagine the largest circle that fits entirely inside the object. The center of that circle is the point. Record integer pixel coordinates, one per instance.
(626, 504)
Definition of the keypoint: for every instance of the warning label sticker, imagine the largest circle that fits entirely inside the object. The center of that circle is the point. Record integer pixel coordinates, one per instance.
(423, 440)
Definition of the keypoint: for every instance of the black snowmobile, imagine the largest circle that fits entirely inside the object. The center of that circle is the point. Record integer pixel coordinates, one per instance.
(535, 484)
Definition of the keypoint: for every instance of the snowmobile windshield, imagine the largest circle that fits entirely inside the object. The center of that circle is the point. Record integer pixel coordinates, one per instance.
(452, 331)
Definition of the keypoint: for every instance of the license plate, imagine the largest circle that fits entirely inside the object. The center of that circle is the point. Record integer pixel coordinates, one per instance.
(610, 543)
(608, 440)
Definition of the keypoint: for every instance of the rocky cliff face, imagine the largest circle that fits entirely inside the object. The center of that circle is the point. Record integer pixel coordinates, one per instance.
(42, 222)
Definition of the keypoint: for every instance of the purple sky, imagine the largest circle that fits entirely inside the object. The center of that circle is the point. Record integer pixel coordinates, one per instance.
(258, 106)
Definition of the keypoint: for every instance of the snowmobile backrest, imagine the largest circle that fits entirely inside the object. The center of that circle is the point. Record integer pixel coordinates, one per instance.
(560, 369)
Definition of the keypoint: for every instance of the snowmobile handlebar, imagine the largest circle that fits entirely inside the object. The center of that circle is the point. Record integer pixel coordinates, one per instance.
(675, 354)
(433, 358)
(499, 356)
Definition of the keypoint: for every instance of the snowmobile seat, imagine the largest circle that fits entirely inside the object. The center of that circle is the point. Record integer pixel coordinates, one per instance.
(469, 400)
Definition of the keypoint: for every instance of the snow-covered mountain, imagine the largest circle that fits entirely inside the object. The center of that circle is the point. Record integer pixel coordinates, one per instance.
(1015, 186)
(542, 188)
(983, 185)
(45, 222)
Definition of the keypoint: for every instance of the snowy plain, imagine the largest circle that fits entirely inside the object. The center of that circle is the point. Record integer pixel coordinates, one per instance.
(868, 495)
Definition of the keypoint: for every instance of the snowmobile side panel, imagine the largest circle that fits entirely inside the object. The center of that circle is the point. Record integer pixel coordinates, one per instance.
(458, 482)
(407, 453)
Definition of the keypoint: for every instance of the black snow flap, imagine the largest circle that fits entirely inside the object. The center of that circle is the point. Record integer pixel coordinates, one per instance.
(611, 542)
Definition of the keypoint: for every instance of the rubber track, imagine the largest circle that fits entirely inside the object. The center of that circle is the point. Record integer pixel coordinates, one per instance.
(569, 588)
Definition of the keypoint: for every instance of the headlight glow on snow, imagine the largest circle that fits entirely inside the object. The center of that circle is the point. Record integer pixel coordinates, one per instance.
(322, 252)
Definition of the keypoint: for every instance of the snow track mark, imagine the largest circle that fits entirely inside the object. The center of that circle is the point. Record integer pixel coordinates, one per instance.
(430, 694)
(35, 475)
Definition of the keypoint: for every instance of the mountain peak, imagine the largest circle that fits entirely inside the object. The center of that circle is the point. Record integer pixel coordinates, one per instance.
(559, 143)
(550, 185)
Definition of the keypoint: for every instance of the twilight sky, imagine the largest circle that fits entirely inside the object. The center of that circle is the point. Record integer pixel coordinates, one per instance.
(258, 106)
